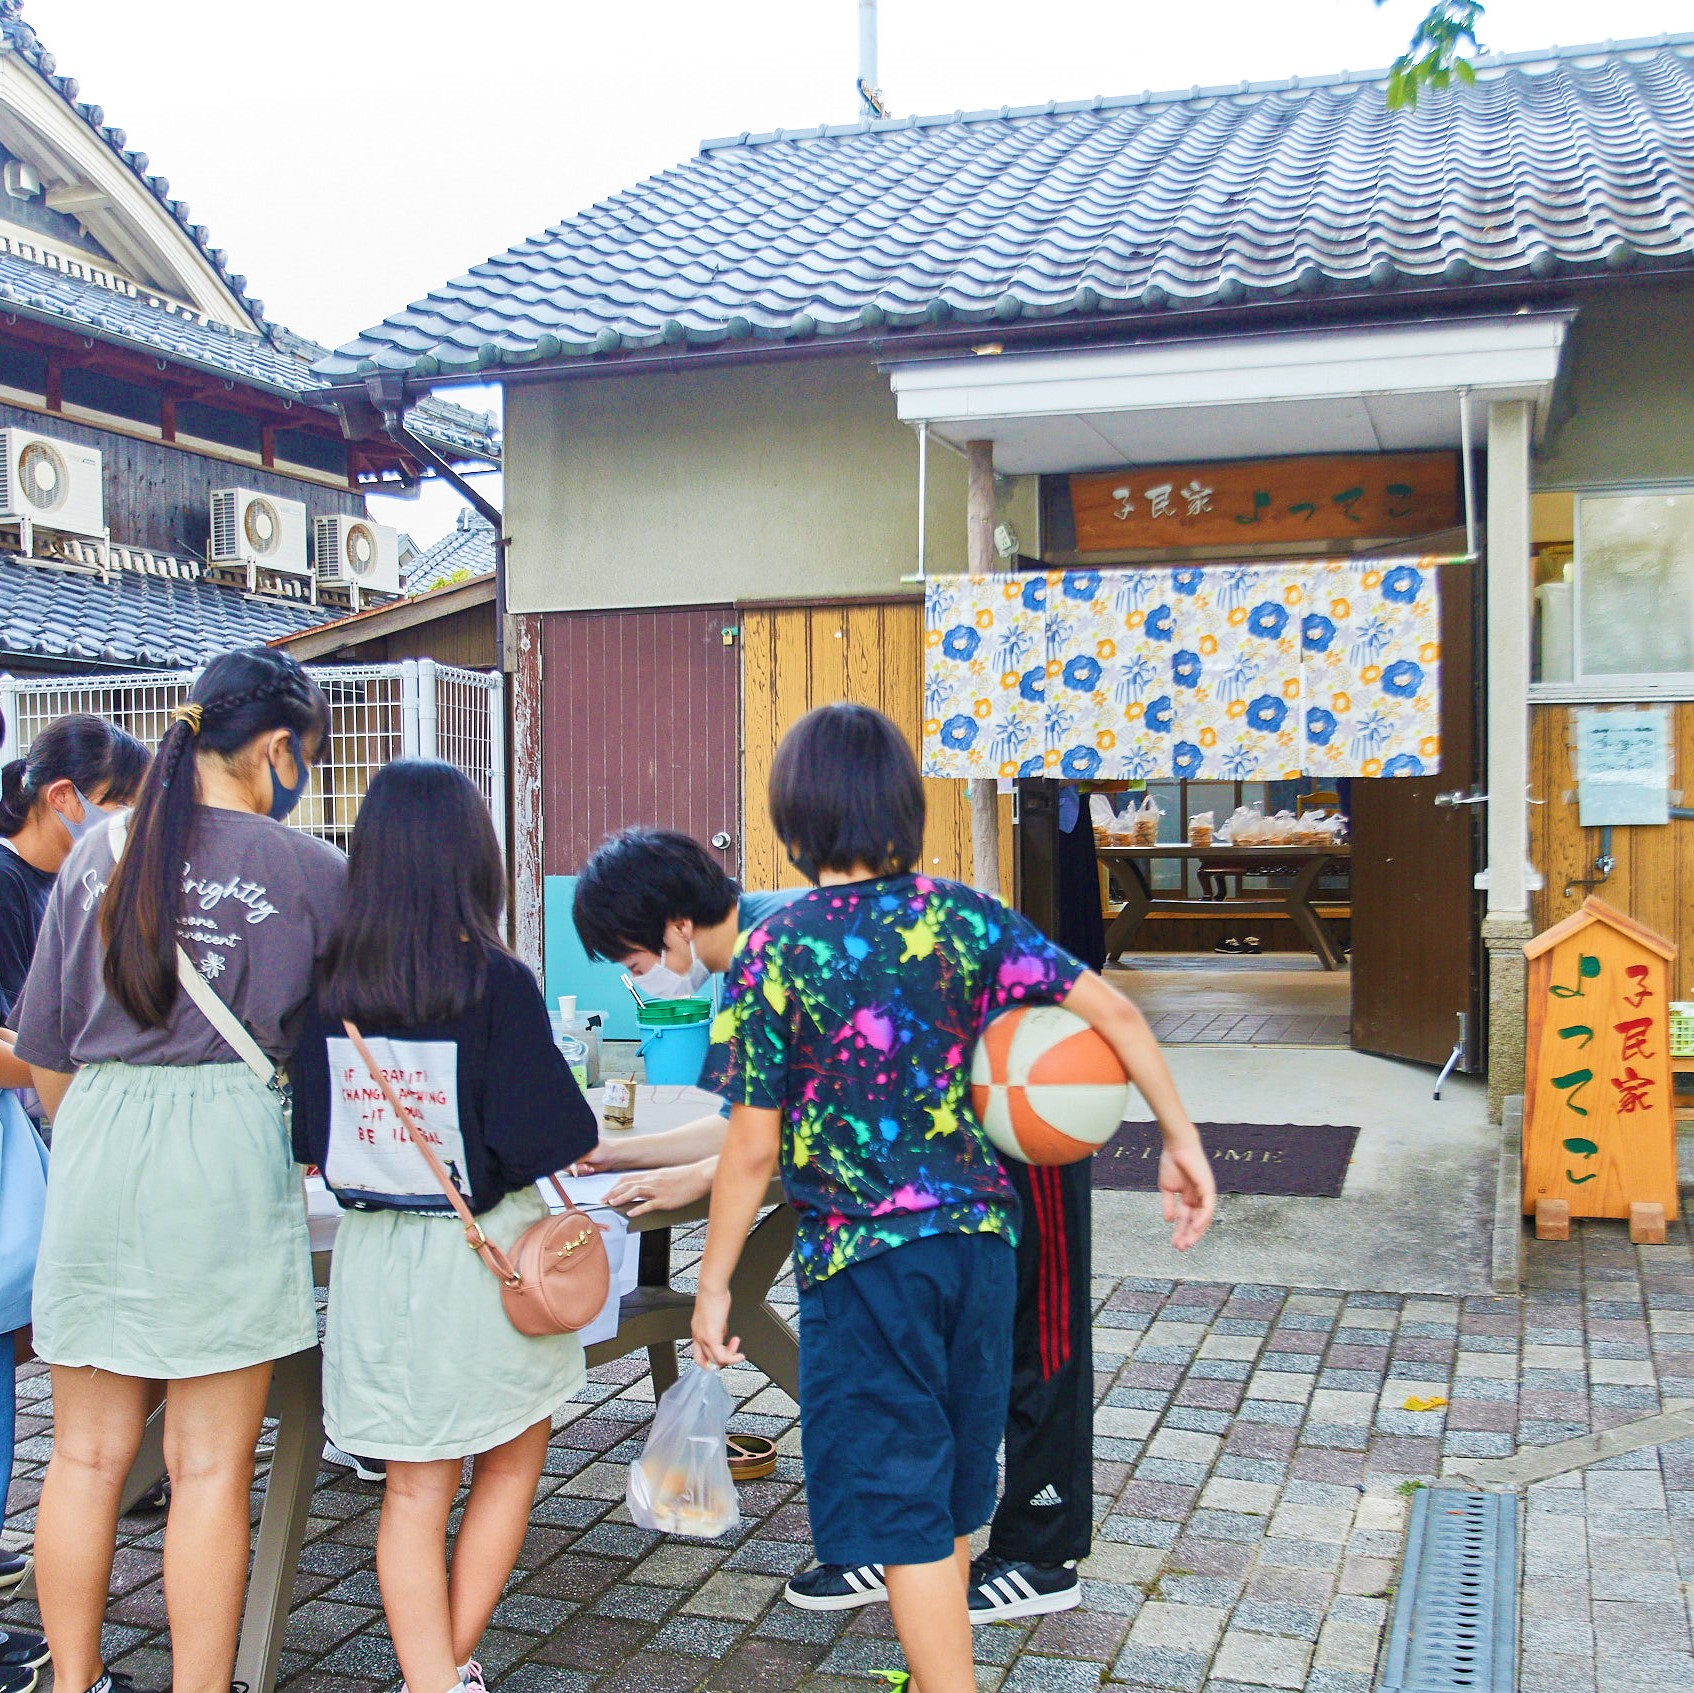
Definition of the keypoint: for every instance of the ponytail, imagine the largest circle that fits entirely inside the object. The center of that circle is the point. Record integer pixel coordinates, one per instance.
(97, 758)
(238, 697)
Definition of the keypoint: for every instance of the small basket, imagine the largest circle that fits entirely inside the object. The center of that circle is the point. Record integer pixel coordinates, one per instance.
(1682, 1028)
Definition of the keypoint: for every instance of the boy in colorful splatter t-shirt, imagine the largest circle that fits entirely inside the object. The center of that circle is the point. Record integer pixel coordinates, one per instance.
(844, 1049)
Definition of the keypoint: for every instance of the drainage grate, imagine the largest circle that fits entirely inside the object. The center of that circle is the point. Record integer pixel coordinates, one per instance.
(1455, 1614)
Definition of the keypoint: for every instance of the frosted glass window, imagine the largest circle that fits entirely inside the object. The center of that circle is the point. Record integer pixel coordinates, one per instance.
(1635, 584)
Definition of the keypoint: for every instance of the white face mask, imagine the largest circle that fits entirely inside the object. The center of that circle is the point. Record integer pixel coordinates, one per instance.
(662, 982)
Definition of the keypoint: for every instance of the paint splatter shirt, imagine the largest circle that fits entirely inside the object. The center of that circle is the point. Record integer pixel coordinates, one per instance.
(854, 1012)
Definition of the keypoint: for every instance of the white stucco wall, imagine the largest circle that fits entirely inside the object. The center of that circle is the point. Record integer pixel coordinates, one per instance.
(784, 481)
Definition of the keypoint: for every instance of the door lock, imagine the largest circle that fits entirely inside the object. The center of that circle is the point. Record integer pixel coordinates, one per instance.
(721, 840)
(1458, 798)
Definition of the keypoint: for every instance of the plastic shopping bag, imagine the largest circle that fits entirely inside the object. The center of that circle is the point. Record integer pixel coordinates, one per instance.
(681, 1483)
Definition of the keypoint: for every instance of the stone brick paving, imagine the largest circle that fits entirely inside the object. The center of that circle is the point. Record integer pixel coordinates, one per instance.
(1253, 1457)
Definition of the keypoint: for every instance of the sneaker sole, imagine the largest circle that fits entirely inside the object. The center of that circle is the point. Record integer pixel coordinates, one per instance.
(1039, 1606)
(28, 1686)
(838, 1602)
(8, 1582)
(29, 1663)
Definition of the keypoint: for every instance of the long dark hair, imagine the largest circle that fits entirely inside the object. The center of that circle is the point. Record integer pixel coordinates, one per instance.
(240, 695)
(98, 758)
(425, 889)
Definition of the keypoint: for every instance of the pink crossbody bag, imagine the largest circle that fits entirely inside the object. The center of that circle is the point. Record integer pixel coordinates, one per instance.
(558, 1276)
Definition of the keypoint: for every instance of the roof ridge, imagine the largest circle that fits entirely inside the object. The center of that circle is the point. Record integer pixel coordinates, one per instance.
(1487, 64)
(17, 36)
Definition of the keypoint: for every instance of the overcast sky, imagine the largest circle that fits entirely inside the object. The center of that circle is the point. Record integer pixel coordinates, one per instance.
(352, 154)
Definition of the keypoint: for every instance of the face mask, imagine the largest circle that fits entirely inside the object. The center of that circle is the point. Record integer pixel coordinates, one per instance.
(284, 798)
(662, 982)
(92, 815)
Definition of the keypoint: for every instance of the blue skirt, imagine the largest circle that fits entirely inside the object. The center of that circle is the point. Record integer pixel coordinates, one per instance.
(23, 1200)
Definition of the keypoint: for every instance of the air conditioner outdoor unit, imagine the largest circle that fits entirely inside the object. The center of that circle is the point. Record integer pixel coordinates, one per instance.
(258, 530)
(353, 550)
(50, 484)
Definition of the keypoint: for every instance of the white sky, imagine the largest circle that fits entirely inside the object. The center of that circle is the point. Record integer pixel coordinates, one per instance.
(352, 154)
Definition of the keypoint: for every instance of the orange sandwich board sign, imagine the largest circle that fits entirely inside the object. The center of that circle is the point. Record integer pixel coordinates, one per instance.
(1599, 1124)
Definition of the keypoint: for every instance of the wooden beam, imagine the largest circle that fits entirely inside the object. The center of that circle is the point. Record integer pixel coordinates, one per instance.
(55, 386)
(167, 417)
(267, 445)
(75, 198)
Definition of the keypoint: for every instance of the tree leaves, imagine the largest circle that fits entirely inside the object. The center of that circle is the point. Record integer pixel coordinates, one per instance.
(1439, 52)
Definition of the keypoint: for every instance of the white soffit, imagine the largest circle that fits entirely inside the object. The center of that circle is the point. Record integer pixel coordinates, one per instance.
(1379, 388)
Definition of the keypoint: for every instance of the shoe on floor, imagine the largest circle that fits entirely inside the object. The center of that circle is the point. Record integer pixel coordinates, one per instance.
(156, 1498)
(19, 1680)
(1002, 1589)
(366, 1469)
(14, 1566)
(837, 1587)
(19, 1650)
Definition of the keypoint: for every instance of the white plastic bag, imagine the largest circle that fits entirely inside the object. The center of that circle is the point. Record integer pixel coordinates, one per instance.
(681, 1482)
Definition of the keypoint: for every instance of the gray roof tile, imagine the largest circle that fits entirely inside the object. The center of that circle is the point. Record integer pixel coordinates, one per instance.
(465, 550)
(1553, 163)
(148, 622)
(277, 361)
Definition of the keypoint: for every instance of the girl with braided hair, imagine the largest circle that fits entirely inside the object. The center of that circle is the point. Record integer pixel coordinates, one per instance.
(174, 1246)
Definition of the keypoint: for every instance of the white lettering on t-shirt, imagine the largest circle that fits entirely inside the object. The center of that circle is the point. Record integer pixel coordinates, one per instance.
(206, 895)
(369, 1149)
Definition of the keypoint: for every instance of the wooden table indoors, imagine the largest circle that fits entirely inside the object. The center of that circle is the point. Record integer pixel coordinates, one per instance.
(653, 1316)
(1127, 868)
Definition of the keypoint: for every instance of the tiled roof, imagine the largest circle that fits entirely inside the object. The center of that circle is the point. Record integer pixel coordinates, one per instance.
(465, 550)
(278, 361)
(50, 613)
(1553, 164)
(16, 36)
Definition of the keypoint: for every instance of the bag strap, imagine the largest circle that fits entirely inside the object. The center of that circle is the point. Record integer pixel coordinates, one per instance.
(233, 1031)
(491, 1255)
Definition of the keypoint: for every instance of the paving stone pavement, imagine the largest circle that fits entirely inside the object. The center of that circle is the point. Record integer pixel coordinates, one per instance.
(1253, 1458)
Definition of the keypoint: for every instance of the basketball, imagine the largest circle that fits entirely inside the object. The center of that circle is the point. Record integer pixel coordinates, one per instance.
(1046, 1087)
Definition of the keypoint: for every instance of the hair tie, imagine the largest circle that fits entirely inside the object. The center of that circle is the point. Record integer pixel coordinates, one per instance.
(189, 714)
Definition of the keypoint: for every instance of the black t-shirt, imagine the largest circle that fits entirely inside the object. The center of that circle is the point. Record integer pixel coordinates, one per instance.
(23, 903)
(491, 1090)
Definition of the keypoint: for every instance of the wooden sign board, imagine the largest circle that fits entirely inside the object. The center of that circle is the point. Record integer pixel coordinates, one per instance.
(1599, 1123)
(1252, 503)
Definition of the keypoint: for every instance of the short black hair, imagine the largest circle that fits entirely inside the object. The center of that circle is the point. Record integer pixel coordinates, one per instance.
(638, 881)
(845, 791)
(426, 884)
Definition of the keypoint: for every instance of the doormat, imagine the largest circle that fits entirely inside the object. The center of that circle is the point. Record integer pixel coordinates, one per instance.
(1289, 1158)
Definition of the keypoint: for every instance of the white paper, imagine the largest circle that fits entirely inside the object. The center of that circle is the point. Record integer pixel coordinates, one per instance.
(622, 1254)
(1623, 766)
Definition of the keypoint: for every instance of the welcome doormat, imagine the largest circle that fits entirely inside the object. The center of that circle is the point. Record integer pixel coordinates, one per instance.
(1288, 1158)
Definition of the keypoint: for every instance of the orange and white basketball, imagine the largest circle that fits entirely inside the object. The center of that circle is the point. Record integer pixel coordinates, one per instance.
(1046, 1087)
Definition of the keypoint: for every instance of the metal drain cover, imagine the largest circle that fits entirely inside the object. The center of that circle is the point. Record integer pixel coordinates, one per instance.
(1455, 1613)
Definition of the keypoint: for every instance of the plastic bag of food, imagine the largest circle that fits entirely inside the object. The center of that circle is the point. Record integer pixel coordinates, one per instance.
(1100, 813)
(1145, 823)
(1200, 829)
(1246, 826)
(681, 1482)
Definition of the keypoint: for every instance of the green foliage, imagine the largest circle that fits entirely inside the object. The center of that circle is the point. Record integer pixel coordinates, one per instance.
(1439, 52)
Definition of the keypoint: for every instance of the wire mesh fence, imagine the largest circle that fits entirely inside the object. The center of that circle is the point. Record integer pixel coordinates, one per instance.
(378, 712)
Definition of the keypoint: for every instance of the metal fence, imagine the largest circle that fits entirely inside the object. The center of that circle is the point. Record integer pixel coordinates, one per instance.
(378, 712)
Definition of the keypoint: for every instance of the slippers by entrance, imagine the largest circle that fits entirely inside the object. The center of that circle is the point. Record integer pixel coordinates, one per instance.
(751, 1457)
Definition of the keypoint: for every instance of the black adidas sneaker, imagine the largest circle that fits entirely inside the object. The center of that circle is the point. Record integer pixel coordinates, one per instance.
(1002, 1589)
(837, 1587)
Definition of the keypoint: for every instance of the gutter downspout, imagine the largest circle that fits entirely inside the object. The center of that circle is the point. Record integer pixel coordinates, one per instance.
(389, 399)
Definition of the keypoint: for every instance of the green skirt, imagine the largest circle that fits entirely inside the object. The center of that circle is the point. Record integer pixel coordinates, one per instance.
(420, 1359)
(174, 1242)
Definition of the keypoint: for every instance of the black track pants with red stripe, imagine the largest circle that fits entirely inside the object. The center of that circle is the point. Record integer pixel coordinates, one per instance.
(1046, 1513)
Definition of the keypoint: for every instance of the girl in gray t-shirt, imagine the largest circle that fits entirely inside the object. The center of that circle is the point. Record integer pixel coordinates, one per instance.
(174, 1246)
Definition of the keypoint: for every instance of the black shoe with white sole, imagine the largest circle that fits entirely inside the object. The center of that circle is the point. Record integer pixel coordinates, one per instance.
(19, 1650)
(1002, 1590)
(366, 1469)
(837, 1587)
(14, 1566)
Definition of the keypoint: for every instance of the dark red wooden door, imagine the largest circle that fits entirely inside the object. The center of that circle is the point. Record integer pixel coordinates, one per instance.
(1416, 912)
(640, 724)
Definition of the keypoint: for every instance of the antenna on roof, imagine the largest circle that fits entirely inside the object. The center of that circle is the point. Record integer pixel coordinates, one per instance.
(871, 102)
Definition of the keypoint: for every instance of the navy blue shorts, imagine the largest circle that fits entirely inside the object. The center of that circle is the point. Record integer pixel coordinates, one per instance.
(905, 1370)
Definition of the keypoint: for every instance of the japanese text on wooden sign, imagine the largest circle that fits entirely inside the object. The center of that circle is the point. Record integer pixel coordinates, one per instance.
(1600, 1124)
(1264, 502)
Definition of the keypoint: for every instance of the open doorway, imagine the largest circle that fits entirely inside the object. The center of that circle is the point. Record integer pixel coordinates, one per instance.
(1236, 931)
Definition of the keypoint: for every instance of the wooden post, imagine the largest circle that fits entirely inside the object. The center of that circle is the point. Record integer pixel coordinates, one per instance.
(979, 560)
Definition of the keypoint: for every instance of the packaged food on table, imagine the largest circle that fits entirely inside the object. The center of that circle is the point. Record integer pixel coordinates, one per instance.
(1200, 829)
(1144, 820)
(618, 1102)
